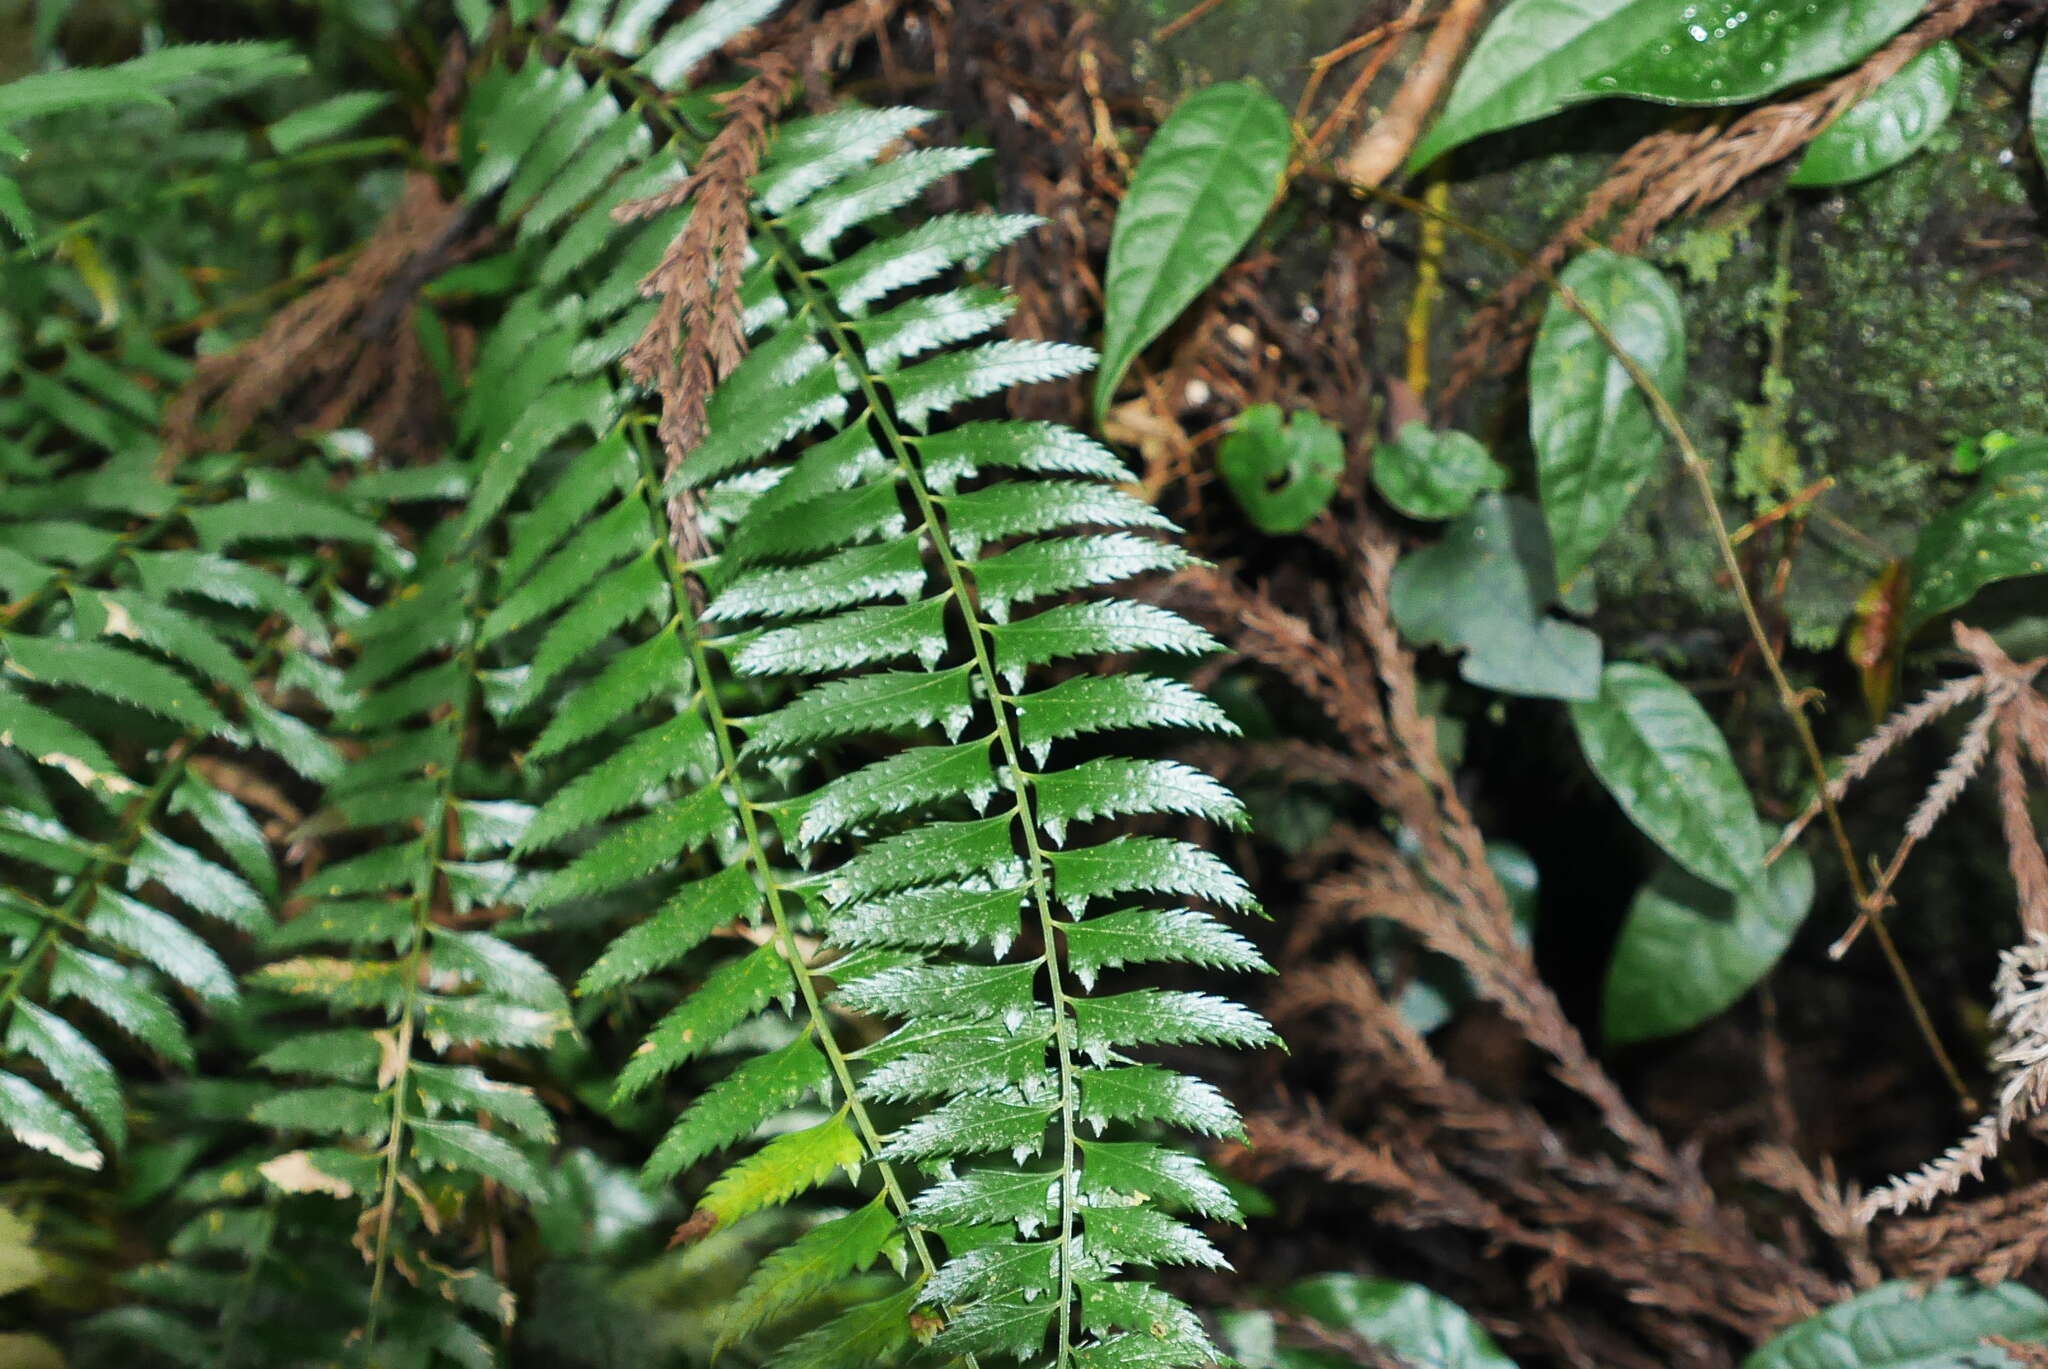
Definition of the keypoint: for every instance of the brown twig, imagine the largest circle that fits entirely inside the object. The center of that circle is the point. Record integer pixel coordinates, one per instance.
(1381, 148)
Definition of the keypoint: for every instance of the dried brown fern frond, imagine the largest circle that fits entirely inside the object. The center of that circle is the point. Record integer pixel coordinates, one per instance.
(337, 354)
(2021, 1015)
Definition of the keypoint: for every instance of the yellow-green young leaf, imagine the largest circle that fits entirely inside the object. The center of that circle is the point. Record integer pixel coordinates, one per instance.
(1898, 1325)
(1597, 439)
(1669, 768)
(1688, 950)
(785, 1167)
(1201, 189)
(811, 1265)
(1538, 56)
(1888, 125)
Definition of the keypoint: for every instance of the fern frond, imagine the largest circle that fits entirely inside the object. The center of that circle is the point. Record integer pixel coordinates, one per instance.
(127, 687)
(1009, 1048)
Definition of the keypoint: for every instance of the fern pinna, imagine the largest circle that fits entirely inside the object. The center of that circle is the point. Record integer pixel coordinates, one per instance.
(140, 610)
(979, 1123)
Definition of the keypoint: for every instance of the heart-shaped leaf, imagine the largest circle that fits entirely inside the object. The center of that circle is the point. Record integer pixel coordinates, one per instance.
(1202, 187)
(1596, 437)
(1483, 590)
(1668, 766)
(1895, 1326)
(1889, 125)
(1688, 950)
(1283, 470)
(1429, 474)
(1539, 56)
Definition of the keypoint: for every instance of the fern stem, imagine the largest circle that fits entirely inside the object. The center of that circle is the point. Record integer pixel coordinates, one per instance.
(884, 419)
(432, 841)
(764, 868)
(71, 913)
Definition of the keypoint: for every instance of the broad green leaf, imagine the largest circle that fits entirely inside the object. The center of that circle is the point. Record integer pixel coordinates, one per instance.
(1201, 189)
(1999, 533)
(2037, 107)
(1538, 56)
(1893, 1326)
(1597, 439)
(1405, 1319)
(1485, 590)
(1429, 474)
(1688, 950)
(1283, 472)
(1668, 766)
(1888, 125)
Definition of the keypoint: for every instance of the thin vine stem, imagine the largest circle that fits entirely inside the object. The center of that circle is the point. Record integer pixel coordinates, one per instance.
(1789, 699)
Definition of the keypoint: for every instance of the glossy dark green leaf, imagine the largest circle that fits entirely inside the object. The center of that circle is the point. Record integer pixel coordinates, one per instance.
(1538, 56)
(1999, 533)
(1484, 590)
(1202, 187)
(1668, 766)
(1416, 1325)
(1895, 1326)
(1689, 950)
(1430, 474)
(1888, 125)
(2037, 107)
(1283, 470)
(1596, 437)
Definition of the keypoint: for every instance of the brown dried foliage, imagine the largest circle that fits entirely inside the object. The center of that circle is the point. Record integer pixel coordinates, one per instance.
(1432, 1150)
(344, 353)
